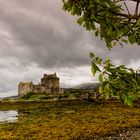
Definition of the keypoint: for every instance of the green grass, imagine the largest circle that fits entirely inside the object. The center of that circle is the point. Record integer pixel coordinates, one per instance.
(71, 119)
(44, 96)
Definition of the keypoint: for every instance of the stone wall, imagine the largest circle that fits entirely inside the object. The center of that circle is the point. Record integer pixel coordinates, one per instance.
(24, 88)
(50, 81)
(41, 89)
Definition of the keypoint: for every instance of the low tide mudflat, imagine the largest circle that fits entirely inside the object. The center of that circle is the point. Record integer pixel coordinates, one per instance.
(70, 119)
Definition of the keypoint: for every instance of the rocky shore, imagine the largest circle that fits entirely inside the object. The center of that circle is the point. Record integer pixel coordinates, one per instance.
(130, 134)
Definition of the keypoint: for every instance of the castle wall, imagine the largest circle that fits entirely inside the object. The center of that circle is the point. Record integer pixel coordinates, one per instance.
(24, 88)
(41, 89)
(50, 82)
(55, 83)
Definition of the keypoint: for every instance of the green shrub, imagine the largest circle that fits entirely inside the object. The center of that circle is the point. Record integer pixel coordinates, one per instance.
(46, 97)
(28, 95)
(5, 99)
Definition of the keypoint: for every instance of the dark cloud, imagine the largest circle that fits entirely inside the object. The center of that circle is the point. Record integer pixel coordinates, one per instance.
(44, 35)
(40, 31)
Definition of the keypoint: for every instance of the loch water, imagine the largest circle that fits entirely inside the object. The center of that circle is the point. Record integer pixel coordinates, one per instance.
(8, 116)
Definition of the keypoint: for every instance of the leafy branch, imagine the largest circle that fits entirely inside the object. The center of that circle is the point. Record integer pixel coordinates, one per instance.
(106, 18)
(119, 81)
(113, 24)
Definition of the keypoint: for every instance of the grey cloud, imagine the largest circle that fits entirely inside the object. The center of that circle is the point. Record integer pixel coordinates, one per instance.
(43, 33)
(48, 39)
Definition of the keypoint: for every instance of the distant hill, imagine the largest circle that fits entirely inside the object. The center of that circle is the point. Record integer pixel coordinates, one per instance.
(87, 86)
(13, 97)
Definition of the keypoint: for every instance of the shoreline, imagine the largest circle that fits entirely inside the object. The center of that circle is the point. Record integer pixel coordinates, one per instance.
(102, 120)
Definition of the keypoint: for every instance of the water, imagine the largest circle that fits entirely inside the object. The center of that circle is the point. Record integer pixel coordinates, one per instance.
(8, 116)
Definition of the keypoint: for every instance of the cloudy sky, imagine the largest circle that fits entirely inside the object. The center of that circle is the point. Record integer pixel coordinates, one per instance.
(37, 37)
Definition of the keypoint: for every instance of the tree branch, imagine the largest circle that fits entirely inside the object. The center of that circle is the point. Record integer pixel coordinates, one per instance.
(126, 0)
(136, 17)
(127, 8)
(137, 8)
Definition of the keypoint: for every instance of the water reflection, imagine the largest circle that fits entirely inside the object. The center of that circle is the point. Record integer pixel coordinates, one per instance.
(8, 116)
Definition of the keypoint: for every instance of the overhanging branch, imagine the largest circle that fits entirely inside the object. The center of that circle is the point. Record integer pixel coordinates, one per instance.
(136, 17)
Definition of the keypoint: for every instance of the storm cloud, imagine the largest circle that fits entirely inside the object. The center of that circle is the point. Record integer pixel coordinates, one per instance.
(37, 37)
(40, 32)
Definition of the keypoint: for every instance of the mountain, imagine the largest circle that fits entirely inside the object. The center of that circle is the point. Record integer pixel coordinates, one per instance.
(87, 86)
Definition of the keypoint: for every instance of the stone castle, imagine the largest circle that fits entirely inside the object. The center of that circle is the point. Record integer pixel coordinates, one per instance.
(49, 84)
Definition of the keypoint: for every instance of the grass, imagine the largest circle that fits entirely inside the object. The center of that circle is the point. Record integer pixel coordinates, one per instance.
(71, 119)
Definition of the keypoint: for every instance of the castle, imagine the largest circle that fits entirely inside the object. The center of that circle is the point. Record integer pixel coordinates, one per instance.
(49, 84)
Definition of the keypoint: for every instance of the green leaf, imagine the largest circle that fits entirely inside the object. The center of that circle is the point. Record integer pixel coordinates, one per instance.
(138, 22)
(94, 68)
(122, 71)
(114, 43)
(101, 89)
(80, 21)
(91, 55)
(121, 67)
(125, 41)
(107, 95)
(96, 33)
(128, 100)
(107, 61)
(101, 78)
(98, 60)
(73, 10)
(132, 39)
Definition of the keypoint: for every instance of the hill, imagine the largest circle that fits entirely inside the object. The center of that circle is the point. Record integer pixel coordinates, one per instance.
(87, 86)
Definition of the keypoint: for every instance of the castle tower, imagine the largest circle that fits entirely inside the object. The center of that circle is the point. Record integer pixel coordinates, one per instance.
(24, 88)
(51, 81)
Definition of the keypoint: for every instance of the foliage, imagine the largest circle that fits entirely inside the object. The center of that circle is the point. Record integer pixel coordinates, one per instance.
(112, 20)
(6, 99)
(28, 95)
(116, 80)
(44, 96)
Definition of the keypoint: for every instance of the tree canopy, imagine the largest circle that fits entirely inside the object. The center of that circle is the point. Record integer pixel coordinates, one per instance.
(115, 21)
